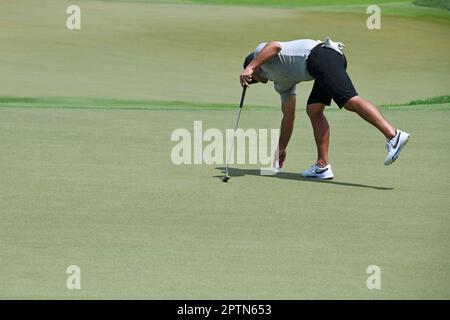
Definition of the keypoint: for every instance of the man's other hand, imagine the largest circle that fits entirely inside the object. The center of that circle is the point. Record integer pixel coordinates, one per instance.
(246, 77)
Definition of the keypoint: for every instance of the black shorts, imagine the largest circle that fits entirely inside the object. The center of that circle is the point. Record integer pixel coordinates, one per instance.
(328, 68)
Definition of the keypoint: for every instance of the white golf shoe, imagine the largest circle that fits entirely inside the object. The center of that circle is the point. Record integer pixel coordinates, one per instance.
(318, 172)
(395, 145)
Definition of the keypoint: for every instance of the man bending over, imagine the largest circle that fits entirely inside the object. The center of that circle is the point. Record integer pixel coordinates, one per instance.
(288, 63)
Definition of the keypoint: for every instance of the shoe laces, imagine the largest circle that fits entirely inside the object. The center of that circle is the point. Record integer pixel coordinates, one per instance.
(316, 168)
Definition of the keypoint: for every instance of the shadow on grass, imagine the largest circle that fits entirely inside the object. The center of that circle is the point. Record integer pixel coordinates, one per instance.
(234, 172)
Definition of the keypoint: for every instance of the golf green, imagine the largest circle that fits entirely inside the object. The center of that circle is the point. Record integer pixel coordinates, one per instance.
(96, 188)
(86, 176)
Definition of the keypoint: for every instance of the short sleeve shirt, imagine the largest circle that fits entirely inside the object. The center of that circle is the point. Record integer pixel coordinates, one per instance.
(289, 67)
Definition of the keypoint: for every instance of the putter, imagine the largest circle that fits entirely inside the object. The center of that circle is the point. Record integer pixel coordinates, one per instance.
(226, 177)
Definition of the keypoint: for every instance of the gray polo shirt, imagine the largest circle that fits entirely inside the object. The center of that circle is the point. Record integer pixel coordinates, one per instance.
(289, 67)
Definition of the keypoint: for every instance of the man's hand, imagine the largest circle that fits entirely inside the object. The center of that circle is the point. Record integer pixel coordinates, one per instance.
(246, 77)
(278, 159)
(269, 52)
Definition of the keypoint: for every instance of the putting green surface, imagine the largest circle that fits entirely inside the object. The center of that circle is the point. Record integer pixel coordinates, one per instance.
(96, 188)
(86, 177)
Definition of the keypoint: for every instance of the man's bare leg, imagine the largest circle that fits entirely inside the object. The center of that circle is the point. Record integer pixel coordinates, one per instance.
(321, 131)
(371, 114)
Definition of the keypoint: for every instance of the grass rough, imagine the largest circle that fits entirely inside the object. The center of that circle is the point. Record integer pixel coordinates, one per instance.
(442, 4)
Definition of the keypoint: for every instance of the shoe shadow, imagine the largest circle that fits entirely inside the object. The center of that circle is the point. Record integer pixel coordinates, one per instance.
(234, 172)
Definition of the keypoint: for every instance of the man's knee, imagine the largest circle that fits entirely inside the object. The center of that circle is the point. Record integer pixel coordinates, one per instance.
(315, 109)
(353, 103)
(289, 114)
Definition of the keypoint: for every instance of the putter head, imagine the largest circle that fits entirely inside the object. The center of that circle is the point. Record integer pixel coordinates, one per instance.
(225, 178)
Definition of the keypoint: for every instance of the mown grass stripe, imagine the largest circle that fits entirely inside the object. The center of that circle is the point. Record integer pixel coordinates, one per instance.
(433, 100)
(28, 102)
(79, 103)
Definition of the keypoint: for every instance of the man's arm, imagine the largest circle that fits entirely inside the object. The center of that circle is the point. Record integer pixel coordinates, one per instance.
(270, 50)
(267, 53)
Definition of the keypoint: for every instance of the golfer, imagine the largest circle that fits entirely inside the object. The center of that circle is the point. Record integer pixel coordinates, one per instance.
(288, 63)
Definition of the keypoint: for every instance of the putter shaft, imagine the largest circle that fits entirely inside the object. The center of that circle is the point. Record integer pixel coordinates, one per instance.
(235, 128)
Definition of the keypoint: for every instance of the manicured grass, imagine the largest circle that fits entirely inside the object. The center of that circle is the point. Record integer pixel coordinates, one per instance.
(79, 103)
(182, 53)
(86, 177)
(429, 101)
(434, 100)
(428, 10)
(443, 4)
(294, 3)
(96, 188)
(289, 3)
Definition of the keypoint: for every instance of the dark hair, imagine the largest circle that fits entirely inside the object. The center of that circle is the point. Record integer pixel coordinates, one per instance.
(248, 59)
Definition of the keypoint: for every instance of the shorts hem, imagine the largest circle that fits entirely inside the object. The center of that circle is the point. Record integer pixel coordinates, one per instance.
(346, 99)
